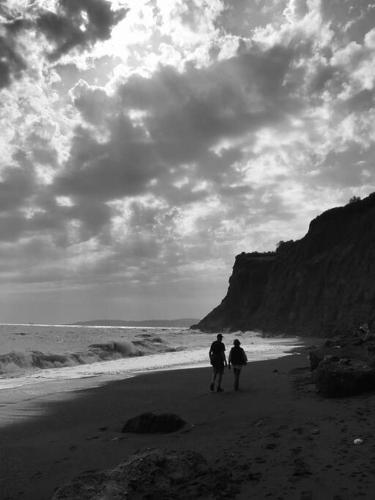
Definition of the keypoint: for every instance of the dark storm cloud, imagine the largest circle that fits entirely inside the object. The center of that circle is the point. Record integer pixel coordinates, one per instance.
(190, 112)
(168, 151)
(350, 18)
(188, 135)
(78, 23)
(121, 166)
(11, 62)
(184, 115)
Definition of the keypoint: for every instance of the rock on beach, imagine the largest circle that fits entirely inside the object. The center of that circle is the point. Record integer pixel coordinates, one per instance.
(148, 423)
(149, 474)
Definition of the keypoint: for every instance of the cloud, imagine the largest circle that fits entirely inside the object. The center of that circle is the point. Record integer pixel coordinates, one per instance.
(183, 136)
(242, 17)
(74, 24)
(176, 136)
(171, 120)
(351, 167)
(78, 23)
(351, 19)
(120, 166)
(11, 61)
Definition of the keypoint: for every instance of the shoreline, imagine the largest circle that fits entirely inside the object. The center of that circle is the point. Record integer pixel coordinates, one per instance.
(278, 437)
(19, 396)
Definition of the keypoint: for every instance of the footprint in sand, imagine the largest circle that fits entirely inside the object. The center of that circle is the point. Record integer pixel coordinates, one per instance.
(306, 495)
(298, 430)
(275, 434)
(271, 446)
(297, 450)
(254, 476)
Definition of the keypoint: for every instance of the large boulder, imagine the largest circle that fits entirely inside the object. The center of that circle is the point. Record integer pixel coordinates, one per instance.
(354, 346)
(148, 423)
(337, 377)
(152, 475)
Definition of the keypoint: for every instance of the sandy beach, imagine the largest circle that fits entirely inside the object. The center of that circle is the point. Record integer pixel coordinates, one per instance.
(278, 438)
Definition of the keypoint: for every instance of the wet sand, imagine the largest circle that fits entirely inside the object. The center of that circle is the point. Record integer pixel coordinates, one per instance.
(279, 439)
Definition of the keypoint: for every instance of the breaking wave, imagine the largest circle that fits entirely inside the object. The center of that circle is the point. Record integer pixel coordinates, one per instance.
(17, 363)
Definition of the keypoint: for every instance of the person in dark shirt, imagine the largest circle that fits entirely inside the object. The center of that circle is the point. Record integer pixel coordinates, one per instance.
(237, 359)
(218, 362)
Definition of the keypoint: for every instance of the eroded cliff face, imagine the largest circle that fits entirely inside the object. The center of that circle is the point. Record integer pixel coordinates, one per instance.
(321, 285)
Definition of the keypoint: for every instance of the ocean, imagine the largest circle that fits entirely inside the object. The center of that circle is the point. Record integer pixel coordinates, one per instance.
(37, 361)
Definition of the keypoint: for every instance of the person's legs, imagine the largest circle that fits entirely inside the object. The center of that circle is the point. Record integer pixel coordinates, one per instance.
(236, 373)
(220, 377)
(213, 379)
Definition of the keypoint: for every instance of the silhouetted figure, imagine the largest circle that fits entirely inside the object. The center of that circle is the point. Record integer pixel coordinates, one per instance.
(218, 362)
(237, 358)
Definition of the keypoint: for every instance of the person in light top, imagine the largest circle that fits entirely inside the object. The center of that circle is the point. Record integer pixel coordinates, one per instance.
(237, 359)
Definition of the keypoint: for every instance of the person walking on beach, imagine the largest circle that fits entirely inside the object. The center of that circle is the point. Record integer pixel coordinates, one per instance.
(218, 362)
(237, 359)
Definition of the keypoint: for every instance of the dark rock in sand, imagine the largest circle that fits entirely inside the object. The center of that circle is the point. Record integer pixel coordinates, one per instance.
(344, 377)
(148, 423)
(344, 365)
(346, 346)
(320, 285)
(152, 475)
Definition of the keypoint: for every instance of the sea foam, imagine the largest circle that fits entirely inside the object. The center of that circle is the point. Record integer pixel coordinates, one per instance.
(16, 362)
(38, 354)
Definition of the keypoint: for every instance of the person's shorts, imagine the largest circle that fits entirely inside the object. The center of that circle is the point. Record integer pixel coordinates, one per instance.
(218, 368)
(237, 367)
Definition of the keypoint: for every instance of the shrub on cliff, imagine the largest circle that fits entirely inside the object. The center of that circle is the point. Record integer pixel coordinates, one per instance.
(354, 199)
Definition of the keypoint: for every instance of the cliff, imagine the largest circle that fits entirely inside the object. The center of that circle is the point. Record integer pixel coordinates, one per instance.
(320, 285)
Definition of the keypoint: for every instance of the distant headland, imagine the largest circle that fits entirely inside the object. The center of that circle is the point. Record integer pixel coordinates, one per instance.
(320, 285)
(157, 323)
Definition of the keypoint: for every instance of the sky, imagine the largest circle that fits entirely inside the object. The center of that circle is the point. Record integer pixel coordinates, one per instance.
(145, 143)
